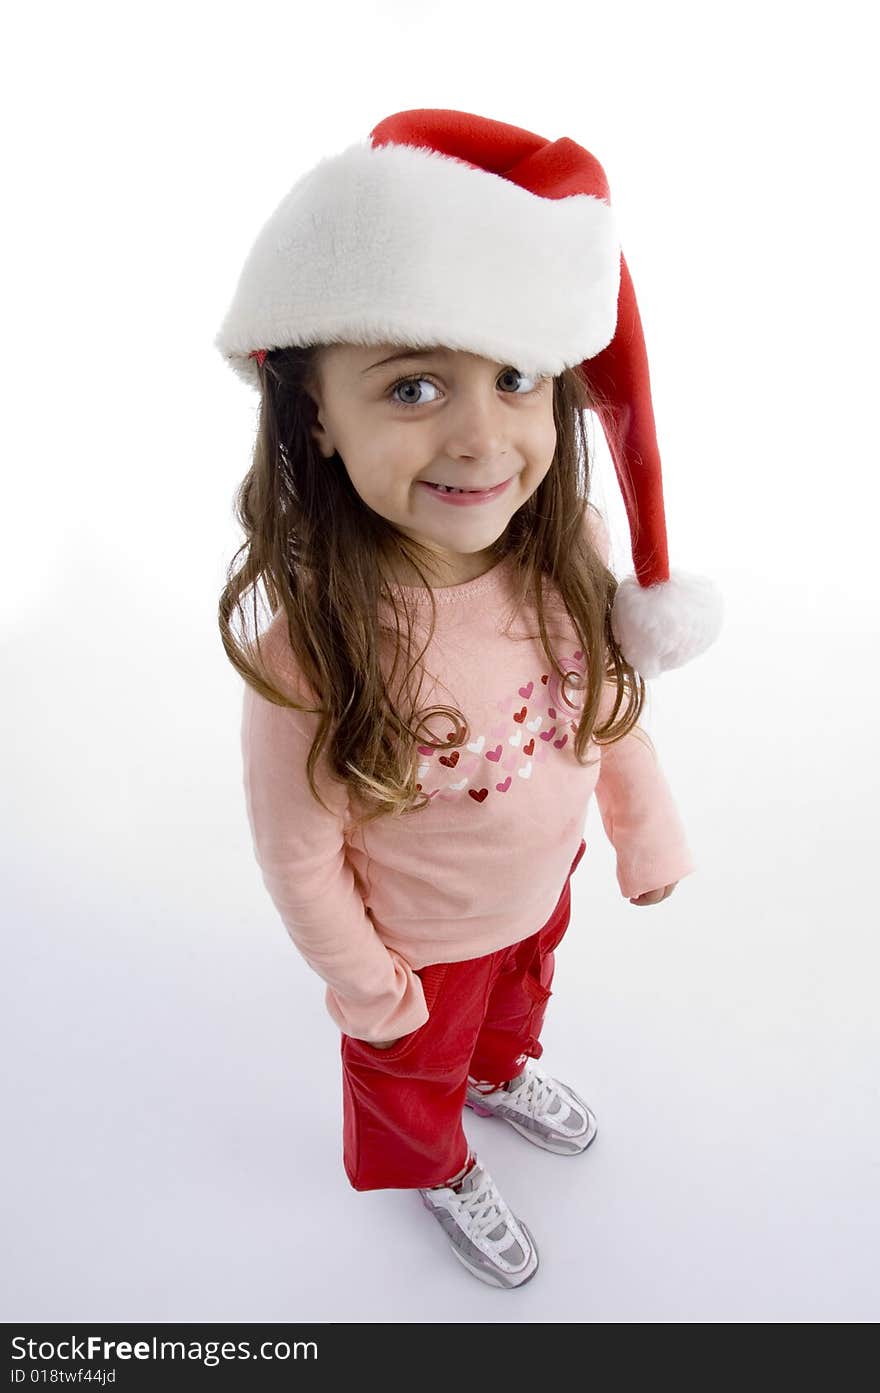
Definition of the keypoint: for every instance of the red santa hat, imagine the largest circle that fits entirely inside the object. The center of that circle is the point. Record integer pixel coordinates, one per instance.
(450, 229)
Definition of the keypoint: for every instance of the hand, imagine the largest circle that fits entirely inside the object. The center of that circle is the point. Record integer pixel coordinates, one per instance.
(655, 896)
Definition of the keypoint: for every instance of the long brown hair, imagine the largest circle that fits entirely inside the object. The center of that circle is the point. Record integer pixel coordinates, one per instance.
(320, 552)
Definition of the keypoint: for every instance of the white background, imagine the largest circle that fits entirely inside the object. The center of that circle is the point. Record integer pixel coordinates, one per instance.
(173, 1091)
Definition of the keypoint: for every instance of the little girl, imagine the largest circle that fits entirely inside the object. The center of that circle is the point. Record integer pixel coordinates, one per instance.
(427, 317)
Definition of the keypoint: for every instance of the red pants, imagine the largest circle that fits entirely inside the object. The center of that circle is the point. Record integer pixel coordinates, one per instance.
(402, 1108)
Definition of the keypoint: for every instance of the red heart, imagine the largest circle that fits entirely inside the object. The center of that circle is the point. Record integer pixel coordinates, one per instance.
(450, 760)
(478, 797)
(529, 749)
(520, 715)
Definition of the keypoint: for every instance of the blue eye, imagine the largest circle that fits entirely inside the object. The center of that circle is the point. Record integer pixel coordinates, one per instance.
(411, 381)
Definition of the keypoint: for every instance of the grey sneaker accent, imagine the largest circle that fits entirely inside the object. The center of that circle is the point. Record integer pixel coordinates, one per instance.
(486, 1237)
(566, 1127)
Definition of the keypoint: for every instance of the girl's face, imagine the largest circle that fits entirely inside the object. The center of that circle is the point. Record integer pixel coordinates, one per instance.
(438, 416)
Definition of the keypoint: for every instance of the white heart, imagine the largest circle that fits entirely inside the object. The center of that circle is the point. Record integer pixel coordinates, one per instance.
(525, 772)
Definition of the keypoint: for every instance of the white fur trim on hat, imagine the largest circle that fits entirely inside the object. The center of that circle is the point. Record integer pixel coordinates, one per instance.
(398, 243)
(663, 626)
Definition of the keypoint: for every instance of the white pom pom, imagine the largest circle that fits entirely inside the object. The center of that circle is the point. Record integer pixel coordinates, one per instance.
(665, 625)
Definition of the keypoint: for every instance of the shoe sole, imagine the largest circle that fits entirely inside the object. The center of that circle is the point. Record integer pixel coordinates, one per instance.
(559, 1149)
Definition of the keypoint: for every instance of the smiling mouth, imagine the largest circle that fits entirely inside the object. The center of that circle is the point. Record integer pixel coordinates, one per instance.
(449, 488)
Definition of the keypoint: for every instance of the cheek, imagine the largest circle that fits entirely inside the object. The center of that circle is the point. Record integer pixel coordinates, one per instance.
(540, 439)
(548, 438)
(375, 470)
(388, 479)
(541, 449)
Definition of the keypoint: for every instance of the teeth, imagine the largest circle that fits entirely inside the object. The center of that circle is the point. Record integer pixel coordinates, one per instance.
(447, 489)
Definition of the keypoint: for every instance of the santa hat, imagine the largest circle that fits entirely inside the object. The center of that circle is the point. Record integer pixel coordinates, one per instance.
(450, 229)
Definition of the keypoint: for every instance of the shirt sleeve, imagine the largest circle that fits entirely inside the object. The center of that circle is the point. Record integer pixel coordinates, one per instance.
(640, 817)
(633, 795)
(371, 992)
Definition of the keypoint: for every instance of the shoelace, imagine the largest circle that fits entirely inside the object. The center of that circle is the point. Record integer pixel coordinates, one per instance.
(535, 1090)
(484, 1207)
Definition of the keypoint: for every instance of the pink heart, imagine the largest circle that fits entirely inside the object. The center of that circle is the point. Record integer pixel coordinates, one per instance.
(527, 691)
(495, 754)
(502, 788)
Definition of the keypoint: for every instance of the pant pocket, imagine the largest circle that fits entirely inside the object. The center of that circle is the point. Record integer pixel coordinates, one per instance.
(537, 994)
(534, 984)
(537, 977)
(432, 978)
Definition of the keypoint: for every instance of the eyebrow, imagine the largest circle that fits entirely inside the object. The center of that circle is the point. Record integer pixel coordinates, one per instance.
(408, 355)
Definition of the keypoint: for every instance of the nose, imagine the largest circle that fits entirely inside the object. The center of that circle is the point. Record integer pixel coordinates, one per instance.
(477, 427)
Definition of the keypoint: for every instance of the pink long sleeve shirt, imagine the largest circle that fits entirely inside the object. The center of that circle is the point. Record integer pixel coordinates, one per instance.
(483, 865)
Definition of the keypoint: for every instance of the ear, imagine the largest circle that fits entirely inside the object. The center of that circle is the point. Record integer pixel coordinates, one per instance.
(319, 430)
(325, 444)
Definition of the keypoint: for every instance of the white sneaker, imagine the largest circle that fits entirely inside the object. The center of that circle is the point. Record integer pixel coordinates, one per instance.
(486, 1237)
(542, 1109)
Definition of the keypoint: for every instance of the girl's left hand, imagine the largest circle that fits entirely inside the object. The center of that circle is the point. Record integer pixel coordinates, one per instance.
(655, 896)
